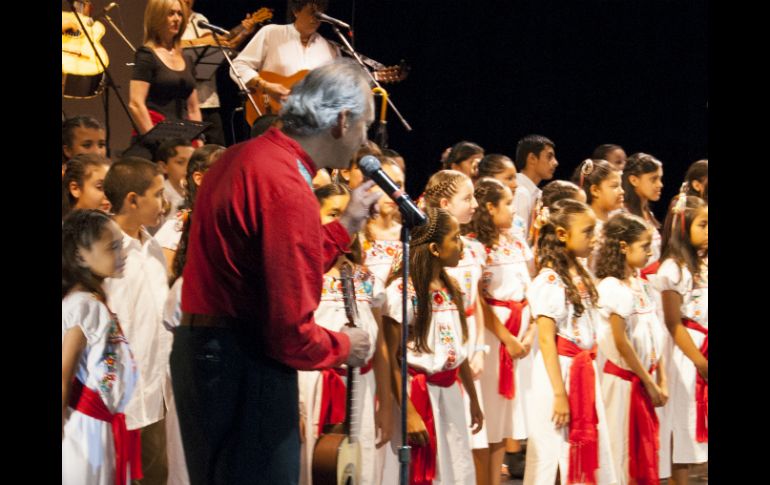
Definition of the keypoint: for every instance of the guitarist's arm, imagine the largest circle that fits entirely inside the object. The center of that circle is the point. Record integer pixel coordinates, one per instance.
(415, 427)
(248, 64)
(137, 96)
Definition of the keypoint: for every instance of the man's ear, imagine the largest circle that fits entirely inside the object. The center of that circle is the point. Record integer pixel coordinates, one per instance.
(339, 129)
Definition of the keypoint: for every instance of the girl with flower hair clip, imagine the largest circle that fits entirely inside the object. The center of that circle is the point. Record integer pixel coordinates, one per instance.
(604, 193)
(682, 281)
(631, 340)
(508, 264)
(436, 354)
(568, 429)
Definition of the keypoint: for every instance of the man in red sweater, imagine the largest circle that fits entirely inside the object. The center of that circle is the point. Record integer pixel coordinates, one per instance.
(255, 262)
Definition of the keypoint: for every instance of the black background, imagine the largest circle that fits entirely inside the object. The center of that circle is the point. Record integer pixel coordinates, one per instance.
(583, 73)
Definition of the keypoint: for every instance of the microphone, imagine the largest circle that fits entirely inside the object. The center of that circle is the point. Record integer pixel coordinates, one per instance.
(331, 20)
(412, 215)
(202, 24)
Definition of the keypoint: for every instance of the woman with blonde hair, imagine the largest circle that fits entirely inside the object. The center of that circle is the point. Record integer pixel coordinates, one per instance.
(162, 84)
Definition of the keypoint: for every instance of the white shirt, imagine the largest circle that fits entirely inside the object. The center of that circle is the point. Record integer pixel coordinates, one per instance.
(278, 49)
(525, 198)
(138, 297)
(207, 90)
(174, 198)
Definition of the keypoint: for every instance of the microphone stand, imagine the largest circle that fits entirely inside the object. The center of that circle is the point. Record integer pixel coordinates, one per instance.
(110, 81)
(404, 451)
(243, 90)
(120, 33)
(371, 76)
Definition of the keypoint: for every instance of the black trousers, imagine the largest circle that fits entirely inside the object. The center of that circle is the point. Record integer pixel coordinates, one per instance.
(238, 411)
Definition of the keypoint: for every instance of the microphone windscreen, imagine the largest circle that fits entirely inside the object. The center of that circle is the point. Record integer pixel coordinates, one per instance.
(369, 165)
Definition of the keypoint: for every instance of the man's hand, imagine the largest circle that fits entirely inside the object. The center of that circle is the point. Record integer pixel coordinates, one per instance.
(360, 206)
(359, 346)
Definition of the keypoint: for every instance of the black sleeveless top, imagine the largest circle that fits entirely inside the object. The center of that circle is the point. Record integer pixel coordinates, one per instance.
(169, 89)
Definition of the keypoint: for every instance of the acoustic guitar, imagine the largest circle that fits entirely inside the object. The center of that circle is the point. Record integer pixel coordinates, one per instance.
(337, 454)
(237, 34)
(82, 73)
(268, 104)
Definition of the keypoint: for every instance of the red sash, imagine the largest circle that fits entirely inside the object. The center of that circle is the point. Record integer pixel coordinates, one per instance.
(644, 429)
(506, 385)
(333, 395)
(155, 118)
(128, 448)
(469, 311)
(423, 458)
(701, 387)
(583, 432)
(651, 269)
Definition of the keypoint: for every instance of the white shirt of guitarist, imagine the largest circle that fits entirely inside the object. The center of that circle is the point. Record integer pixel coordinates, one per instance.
(278, 49)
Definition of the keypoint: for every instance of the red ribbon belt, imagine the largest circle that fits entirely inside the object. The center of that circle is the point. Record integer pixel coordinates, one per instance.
(424, 457)
(128, 448)
(701, 387)
(155, 118)
(506, 385)
(644, 429)
(333, 394)
(470, 310)
(583, 432)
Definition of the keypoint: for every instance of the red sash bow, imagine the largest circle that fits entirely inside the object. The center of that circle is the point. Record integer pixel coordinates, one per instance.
(644, 429)
(333, 394)
(506, 385)
(423, 458)
(128, 448)
(583, 431)
(701, 387)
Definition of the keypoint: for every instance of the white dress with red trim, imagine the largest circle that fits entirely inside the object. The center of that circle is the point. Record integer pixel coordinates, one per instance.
(679, 416)
(506, 278)
(379, 259)
(636, 306)
(467, 273)
(454, 461)
(548, 447)
(331, 315)
(107, 367)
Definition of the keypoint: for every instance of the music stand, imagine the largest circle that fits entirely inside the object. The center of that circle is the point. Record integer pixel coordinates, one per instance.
(206, 60)
(144, 146)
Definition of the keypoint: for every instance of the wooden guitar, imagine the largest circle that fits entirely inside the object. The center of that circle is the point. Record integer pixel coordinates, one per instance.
(82, 73)
(269, 104)
(237, 34)
(337, 454)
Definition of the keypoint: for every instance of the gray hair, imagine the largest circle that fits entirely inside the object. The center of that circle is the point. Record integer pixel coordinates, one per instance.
(316, 101)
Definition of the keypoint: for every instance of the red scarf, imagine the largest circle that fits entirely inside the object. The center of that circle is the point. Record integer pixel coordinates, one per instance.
(506, 384)
(644, 429)
(423, 458)
(128, 448)
(701, 387)
(583, 432)
(333, 395)
(651, 269)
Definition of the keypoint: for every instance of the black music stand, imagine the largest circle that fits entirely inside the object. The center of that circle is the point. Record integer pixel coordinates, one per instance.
(144, 146)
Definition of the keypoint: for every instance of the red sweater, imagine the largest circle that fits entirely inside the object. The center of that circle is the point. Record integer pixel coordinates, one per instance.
(258, 251)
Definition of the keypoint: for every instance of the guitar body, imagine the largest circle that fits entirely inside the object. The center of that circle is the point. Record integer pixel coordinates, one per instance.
(336, 461)
(265, 102)
(82, 73)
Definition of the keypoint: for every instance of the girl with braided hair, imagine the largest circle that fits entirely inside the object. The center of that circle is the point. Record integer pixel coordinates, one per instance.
(436, 353)
(604, 193)
(453, 191)
(506, 270)
(631, 340)
(568, 429)
(682, 281)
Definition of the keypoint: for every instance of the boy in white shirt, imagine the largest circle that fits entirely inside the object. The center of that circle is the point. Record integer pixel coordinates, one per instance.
(535, 162)
(135, 190)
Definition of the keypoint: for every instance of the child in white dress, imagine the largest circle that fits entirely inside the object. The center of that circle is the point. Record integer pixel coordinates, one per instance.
(567, 426)
(98, 369)
(631, 340)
